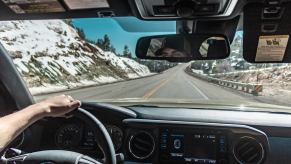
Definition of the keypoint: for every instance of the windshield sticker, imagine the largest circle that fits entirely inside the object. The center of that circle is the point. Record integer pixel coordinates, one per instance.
(34, 6)
(272, 48)
(86, 4)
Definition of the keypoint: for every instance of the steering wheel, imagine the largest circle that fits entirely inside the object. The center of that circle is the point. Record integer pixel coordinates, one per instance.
(69, 157)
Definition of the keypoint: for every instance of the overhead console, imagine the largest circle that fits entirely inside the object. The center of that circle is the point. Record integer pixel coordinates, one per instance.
(175, 9)
(158, 141)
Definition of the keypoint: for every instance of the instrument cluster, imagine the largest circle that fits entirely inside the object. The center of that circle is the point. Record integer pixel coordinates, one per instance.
(79, 137)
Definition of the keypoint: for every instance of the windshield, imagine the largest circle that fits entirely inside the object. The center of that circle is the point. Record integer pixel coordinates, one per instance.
(94, 59)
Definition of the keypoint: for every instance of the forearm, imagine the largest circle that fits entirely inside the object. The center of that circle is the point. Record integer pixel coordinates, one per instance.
(12, 125)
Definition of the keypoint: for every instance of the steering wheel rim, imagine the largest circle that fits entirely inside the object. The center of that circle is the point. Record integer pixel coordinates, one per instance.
(101, 134)
(61, 156)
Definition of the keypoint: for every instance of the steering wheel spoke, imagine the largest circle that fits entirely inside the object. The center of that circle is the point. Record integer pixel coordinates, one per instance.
(54, 156)
(17, 159)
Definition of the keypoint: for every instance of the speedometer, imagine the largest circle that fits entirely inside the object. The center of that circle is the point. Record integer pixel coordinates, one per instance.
(116, 135)
(68, 136)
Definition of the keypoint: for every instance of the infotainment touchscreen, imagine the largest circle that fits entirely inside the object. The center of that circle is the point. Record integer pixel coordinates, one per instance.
(192, 146)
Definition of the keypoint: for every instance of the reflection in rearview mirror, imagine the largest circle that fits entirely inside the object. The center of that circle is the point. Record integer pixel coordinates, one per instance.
(183, 47)
(169, 47)
(210, 42)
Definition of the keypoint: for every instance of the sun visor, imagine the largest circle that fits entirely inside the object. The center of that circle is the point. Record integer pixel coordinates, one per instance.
(267, 30)
(53, 6)
(34, 6)
(86, 4)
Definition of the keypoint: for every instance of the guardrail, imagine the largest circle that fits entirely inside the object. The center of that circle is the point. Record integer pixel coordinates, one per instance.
(250, 71)
(254, 89)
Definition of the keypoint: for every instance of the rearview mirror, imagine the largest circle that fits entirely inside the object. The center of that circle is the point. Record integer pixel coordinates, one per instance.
(183, 48)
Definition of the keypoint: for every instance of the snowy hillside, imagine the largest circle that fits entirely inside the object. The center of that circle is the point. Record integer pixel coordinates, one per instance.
(51, 52)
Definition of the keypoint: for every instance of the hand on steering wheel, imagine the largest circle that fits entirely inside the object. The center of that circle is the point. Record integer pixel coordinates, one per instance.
(62, 156)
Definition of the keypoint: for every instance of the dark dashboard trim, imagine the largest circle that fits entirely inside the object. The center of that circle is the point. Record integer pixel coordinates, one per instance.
(163, 122)
(237, 117)
(112, 108)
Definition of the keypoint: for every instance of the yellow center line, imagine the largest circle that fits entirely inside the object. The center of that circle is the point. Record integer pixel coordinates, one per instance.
(151, 92)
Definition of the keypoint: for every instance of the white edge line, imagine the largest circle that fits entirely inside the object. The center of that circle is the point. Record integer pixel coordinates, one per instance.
(200, 92)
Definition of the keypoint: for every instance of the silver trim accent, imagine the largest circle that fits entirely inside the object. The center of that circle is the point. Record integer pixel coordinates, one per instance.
(119, 130)
(228, 11)
(132, 153)
(252, 138)
(21, 141)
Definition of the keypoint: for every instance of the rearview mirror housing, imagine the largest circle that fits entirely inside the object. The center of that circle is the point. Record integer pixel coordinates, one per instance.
(183, 47)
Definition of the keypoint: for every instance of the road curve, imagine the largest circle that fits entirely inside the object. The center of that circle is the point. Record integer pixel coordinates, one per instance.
(173, 83)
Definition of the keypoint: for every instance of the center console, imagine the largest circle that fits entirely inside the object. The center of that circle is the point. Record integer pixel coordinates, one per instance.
(193, 146)
(157, 141)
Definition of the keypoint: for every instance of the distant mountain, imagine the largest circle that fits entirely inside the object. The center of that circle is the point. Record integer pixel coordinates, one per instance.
(51, 52)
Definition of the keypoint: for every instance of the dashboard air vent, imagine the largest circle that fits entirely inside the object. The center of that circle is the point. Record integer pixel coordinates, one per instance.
(141, 145)
(248, 150)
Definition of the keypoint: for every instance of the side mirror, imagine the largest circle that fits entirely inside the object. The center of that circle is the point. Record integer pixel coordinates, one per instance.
(183, 48)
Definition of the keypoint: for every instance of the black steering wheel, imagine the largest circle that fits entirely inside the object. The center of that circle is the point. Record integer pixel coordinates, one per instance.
(69, 157)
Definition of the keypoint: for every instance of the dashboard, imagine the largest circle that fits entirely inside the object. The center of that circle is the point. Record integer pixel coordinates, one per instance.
(162, 141)
(173, 135)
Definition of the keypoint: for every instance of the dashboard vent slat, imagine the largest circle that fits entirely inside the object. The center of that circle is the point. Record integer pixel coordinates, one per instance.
(144, 142)
(248, 150)
(141, 145)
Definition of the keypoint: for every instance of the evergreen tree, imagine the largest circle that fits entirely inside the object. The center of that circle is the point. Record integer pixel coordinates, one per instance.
(99, 43)
(126, 52)
(106, 43)
(69, 22)
(81, 33)
(112, 49)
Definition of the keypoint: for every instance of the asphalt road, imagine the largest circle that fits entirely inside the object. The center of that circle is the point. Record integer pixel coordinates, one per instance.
(173, 83)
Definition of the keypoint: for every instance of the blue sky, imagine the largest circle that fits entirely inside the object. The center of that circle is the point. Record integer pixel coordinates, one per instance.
(127, 31)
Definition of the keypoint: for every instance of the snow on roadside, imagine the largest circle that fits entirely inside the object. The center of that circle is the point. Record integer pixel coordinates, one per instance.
(51, 56)
(274, 75)
(47, 88)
